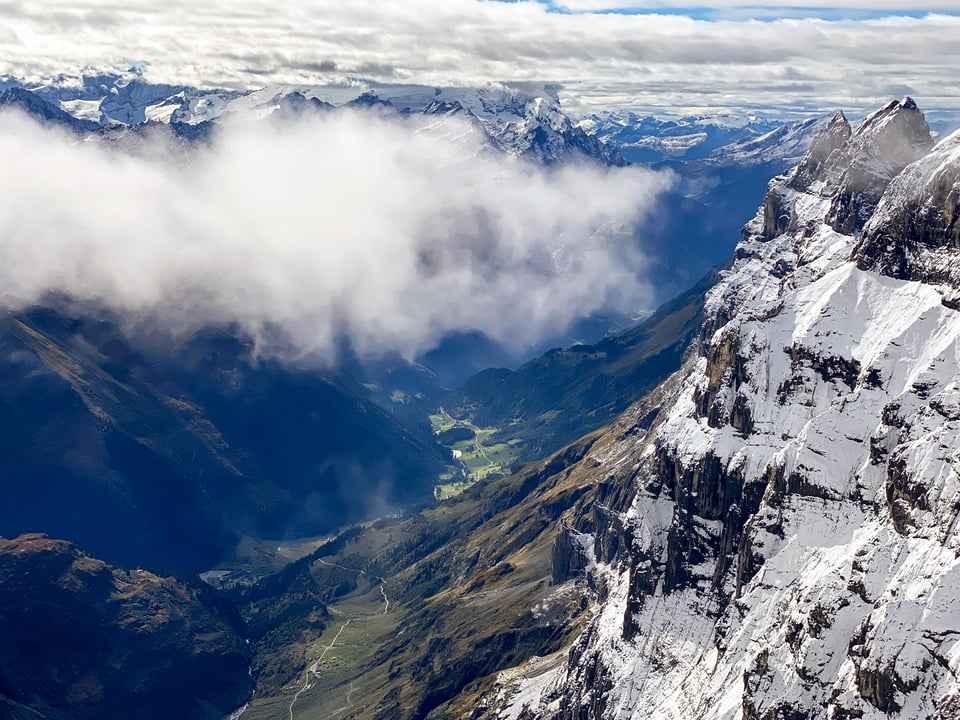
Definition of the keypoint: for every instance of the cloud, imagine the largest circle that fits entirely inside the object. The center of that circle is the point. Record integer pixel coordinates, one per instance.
(302, 230)
(602, 60)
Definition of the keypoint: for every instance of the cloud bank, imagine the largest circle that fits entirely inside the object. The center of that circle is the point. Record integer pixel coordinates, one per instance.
(302, 231)
(647, 62)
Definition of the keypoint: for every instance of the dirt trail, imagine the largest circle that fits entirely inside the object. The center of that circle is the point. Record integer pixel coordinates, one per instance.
(340, 711)
(312, 669)
(342, 567)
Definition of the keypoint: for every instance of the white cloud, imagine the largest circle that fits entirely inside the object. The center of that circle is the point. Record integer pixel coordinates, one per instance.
(603, 60)
(343, 222)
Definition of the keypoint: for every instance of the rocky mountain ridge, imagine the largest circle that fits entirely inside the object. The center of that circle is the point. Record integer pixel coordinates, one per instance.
(525, 120)
(646, 138)
(81, 639)
(784, 543)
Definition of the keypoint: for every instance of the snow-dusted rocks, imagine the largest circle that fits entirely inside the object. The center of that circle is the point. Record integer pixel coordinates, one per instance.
(915, 232)
(791, 546)
(650, 139)
(886, 142)
(42, 111)
(812, 168)
(524, 120)
(787, 143)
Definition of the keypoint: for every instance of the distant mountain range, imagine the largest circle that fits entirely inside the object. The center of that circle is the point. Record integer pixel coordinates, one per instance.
(646, 138)
(524, 119)
(721, 163)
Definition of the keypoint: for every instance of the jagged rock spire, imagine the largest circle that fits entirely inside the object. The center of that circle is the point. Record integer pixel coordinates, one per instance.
(914, 233)
(887, 141)
(830, 141)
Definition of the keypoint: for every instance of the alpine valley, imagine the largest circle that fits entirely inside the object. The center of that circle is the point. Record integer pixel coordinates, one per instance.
(742, 503)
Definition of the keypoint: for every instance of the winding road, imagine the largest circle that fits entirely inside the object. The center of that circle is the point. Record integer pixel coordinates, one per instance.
(313, 668)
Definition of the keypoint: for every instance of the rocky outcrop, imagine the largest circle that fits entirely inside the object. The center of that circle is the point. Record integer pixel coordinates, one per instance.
(791, 547)
(570, 557)
(826, 151)
(81, 640)
(915, 233)
(886, 142)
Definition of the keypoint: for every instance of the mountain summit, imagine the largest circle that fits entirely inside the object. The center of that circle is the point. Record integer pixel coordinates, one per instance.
(521, 119)
(785, 543)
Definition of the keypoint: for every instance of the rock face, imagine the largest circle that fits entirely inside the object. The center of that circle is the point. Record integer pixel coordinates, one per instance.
(832, 139)
(886, 142)
(915, 233)
(783, 542)
(80, 639)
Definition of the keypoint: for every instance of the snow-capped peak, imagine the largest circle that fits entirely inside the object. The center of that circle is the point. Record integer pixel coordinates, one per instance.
(915, 231)
(787, 545)
(521, 119)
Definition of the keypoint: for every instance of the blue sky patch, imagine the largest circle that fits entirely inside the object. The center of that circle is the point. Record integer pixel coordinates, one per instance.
(755, 12)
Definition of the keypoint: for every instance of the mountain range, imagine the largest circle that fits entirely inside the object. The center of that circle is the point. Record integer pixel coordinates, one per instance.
(163, 456)
(743, 506)
(524, 119)
(647, 138)
(769, 533)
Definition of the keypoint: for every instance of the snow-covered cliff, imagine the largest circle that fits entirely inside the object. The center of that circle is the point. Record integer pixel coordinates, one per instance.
(787, 542)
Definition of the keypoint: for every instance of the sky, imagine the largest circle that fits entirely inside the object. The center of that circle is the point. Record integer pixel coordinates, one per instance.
(787, 59)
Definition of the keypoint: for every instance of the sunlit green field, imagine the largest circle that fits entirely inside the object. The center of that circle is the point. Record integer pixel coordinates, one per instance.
(476, 459)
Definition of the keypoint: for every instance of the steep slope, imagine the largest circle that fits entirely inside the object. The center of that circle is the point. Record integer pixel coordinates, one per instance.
(81, 640)
(424, 611)
(156, 455)
(788, 548)
(565, 394)
(43, 111)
